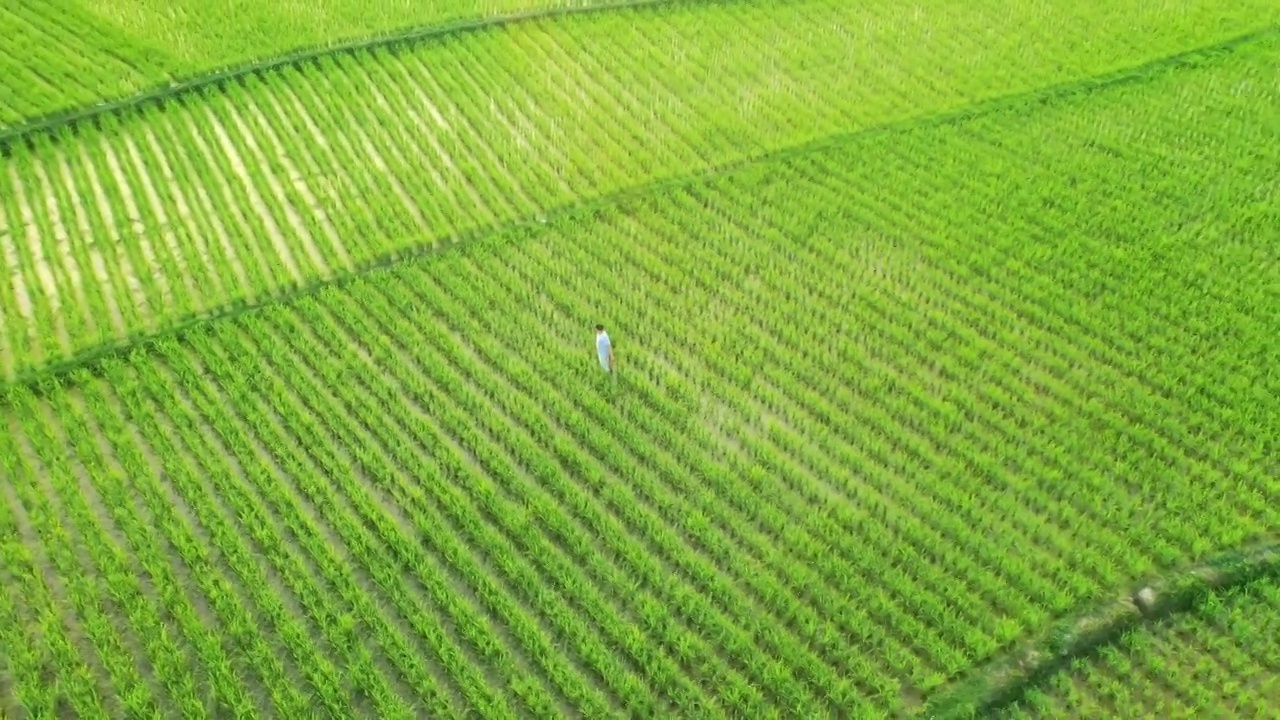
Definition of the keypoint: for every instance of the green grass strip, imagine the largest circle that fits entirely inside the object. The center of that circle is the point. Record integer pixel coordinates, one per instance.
(1006, 678)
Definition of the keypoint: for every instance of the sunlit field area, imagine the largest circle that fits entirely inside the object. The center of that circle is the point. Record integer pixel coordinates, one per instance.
(934, 325)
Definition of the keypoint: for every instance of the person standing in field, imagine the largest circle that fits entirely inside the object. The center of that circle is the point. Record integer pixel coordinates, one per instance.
(604, 349)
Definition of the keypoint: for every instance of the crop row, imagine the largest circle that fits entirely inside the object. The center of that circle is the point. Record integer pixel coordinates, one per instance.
(157, 215)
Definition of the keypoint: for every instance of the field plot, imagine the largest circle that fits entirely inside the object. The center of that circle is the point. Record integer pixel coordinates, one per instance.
(882, 408)
(233, 196)
(60, 55)
(206, 35)
(1220, 661)
(57, 55)
(53, 56)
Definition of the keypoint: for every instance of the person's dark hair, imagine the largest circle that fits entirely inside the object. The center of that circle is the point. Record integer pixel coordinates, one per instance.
(599, 328)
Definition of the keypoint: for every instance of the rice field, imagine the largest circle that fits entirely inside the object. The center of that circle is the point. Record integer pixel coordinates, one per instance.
(65, 56)
(934, 325)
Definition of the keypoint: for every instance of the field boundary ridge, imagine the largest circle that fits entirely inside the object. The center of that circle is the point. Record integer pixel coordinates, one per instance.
(1005, 678)
(52, 372)
(74, 117)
